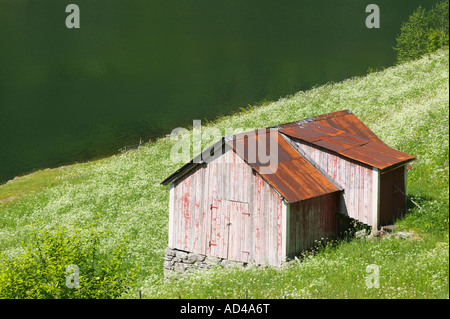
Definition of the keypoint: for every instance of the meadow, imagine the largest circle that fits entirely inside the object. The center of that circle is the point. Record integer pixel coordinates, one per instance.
(406, 105)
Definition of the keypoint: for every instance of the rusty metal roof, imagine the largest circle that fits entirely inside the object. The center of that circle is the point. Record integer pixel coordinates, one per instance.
(343, 133)
(292, 175)
(287, 171)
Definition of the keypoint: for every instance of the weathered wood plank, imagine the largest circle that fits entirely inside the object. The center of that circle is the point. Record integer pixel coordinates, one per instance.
(179, 215)
(221, 232)
(240, 231)
(213, 232)
(244, 168)
(213, 179)
(187, 212)
(252, 210)
(197, 246)
(265, 223)
(375, 198)
(360, 177)
(274, 244)
(270, 246)
(232, 181)
(229, 239)
(206, 222)
(351, 188)
(171, 215)
(356, 179)
(285, 224)
(191, 230)
(258, 218)
(280, 239)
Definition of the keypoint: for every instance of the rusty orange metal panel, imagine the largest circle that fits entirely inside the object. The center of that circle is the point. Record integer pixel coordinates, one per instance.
(343, 133)
(312, 131)
(377, 155)
(292, 176)
(353, 126)
(341, 143)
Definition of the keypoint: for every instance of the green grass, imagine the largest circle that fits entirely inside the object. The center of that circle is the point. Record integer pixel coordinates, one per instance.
(408, 269)
(406, 106)
(30, 183)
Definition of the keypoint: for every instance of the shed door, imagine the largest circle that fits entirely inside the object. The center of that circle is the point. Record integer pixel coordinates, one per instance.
(230, 229)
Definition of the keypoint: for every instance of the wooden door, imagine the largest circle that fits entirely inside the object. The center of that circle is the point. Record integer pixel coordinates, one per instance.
(230, 229)
(220, 219)
(239, 232)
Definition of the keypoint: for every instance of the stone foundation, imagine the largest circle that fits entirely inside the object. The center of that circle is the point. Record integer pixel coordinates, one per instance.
(179, 261)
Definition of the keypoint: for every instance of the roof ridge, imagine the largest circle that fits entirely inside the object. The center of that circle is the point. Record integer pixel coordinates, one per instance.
(302, 121)
(316, 118)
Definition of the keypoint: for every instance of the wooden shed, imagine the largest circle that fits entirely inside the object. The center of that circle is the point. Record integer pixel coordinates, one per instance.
(230, 204)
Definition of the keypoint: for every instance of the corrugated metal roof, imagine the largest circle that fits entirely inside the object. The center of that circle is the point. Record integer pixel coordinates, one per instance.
(343, 133)
(292, 175)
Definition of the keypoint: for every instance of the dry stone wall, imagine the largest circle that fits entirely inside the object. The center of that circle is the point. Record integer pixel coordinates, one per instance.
(179, 261)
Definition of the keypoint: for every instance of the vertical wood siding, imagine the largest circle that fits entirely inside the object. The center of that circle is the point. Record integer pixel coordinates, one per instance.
(311, 220)
(356, 180)
(223, 209)
(267, 227)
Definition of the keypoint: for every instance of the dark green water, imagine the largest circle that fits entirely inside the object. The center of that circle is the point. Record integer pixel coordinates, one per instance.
(136, 69)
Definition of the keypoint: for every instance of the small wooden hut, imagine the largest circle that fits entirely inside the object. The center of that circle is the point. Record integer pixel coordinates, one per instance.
(230, 204)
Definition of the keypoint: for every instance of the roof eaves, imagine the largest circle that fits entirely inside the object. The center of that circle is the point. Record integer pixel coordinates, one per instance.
(201, 158)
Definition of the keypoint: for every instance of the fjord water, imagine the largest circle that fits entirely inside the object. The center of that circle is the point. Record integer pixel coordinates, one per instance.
(137, 69)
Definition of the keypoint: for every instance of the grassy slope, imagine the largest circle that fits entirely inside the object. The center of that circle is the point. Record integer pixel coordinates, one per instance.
(406, 106)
